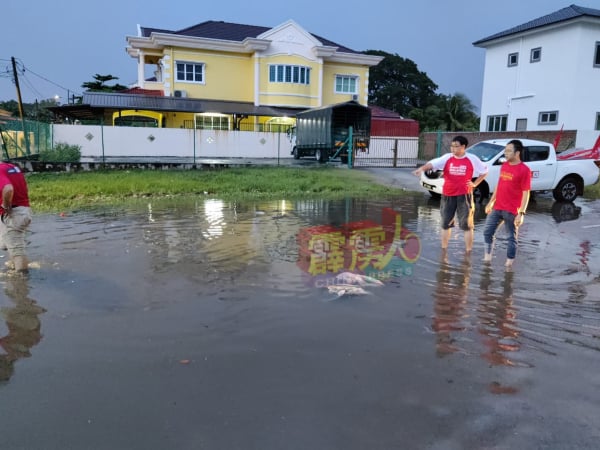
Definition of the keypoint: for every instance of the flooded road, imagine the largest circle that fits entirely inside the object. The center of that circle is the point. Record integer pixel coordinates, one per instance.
(203, 324)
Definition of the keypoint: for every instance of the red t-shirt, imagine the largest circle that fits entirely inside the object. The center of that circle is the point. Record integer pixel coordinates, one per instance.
(458, 172)
(514, 179)
(10, 174)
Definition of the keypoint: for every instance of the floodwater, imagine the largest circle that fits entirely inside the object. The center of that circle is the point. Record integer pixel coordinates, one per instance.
(203, 324)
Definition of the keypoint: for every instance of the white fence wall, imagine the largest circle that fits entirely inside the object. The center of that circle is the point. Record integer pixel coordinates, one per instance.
(98, 141)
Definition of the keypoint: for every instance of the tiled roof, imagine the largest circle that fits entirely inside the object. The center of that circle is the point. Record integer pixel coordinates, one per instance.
(212, 29)
(562, 15)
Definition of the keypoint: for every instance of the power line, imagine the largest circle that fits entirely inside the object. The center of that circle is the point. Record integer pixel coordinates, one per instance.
(22, 70)
(52, 82)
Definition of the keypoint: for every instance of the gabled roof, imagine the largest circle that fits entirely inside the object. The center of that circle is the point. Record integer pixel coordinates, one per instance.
(227, 31)
(562, 15)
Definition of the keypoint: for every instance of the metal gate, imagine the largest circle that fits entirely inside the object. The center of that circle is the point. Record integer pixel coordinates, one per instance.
(386, 151)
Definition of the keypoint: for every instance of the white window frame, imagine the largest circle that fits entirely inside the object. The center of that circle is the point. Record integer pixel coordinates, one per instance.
(532, 57)
(344, 85)
(497, 122)
(212, 121)
(597, 55)
(511, 56)
(190, 67)
(286, 73)
(545, 118)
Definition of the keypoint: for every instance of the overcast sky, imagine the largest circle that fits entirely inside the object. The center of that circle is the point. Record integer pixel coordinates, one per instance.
(63, 43)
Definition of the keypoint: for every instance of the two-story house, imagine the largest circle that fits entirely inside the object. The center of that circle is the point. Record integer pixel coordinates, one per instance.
(228, 76)
(543, 74)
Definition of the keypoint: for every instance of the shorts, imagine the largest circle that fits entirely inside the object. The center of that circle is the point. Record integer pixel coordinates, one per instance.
(462, 207)
(13, 228)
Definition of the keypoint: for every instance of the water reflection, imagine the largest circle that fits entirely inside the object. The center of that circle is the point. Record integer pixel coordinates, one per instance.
(23, 323)
(450, 302)
(497, 318)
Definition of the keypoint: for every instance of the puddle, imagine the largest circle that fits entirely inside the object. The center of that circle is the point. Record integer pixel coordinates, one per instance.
(117, 298)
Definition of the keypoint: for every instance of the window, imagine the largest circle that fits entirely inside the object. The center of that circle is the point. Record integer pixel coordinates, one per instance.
(212, 122)
(521, 125)
(536, 55)
(597, 55)
(536, 153)
(513, 59)
(190, 72)
(548, 118)
(597, 121)
(496, 123)
(280, 73)
(345, 84)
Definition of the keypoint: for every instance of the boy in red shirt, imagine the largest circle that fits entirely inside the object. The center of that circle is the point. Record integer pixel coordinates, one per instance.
(15, 213)
(459, 169)
(509, 201)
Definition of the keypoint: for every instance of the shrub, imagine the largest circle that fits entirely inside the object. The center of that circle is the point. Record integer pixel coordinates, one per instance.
(62, 152)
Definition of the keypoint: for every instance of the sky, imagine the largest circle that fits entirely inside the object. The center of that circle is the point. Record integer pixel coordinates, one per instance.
(64, 43)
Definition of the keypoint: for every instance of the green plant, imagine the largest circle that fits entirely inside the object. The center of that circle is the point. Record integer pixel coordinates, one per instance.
(62, 152)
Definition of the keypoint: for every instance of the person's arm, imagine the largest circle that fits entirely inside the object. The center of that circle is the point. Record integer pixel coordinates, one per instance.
(522, 208)
(434, 164)
(490, 203)
(424, 168)
(480, 178)
(7, 196)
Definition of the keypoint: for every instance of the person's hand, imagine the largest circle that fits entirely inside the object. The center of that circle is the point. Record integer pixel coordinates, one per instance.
(519, 220)
(488, 208)
(417, 172)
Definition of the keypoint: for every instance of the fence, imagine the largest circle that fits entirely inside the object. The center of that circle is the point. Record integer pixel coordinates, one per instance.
(17, 143)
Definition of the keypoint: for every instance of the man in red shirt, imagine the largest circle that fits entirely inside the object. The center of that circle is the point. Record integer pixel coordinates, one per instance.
(509, 201)
(459, 170)
(15, 213)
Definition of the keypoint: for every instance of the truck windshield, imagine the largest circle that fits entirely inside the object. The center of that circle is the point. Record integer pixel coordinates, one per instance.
(485, 150)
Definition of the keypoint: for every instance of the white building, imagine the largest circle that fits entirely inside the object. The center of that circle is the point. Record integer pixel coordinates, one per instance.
(544, 74)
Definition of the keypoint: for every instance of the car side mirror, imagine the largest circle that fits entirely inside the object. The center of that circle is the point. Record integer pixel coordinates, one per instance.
(501, 160)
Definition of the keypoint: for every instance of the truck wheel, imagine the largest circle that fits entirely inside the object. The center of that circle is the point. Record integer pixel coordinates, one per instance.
(319, 155)
(567, 189)
(296, 153)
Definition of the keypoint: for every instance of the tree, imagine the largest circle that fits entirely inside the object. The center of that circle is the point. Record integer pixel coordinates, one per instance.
(397, 84)
(99, 85)
(31, 111)
(458, 113)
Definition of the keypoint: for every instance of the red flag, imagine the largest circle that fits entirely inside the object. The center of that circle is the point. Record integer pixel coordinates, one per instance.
(558, 136)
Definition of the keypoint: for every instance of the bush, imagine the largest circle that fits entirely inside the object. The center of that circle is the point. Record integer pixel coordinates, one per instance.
(62, 152)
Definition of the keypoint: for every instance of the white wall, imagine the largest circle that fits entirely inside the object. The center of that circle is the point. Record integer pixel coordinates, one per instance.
(97, 141)
(564, 80)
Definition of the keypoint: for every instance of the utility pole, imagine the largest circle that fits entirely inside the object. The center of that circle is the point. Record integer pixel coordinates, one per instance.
(16, 77)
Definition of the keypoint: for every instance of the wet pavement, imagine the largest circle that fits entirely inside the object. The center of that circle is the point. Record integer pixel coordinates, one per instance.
(203, 324)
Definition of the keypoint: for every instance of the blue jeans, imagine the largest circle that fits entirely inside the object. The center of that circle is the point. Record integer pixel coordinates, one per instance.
(493, 221)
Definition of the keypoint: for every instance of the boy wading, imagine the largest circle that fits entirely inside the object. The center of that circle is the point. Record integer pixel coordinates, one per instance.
(457, 195)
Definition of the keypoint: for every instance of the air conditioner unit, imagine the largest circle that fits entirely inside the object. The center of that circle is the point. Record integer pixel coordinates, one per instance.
(180, 93)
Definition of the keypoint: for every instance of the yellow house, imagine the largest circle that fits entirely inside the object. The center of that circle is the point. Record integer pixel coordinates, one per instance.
(232, 76)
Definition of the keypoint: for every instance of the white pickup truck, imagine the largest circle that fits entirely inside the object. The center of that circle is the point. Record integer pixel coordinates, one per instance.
(565, 178)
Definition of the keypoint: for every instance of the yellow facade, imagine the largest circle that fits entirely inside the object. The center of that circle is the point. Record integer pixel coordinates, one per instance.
(242, 70)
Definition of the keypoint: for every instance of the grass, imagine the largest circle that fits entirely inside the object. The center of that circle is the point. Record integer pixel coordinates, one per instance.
(592, 192)
(58, 191)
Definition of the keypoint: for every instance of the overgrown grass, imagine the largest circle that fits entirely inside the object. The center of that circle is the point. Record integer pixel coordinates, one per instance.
(592, 192)
(56, 191)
